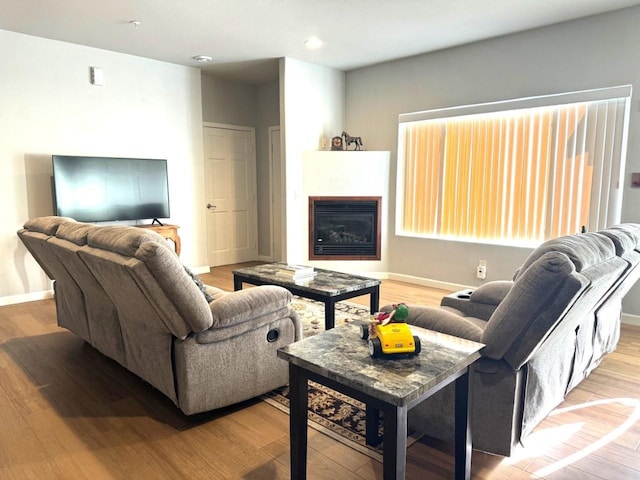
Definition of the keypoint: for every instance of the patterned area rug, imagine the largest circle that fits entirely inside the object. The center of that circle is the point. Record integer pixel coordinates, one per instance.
(311, 314)
(330, 412)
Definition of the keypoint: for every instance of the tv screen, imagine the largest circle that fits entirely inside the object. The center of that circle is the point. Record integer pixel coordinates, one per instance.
(103, 189)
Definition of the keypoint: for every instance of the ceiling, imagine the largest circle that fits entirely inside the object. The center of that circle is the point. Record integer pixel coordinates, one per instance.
(246, 37)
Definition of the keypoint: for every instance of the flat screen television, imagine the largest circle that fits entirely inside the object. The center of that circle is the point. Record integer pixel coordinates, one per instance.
(106, 189)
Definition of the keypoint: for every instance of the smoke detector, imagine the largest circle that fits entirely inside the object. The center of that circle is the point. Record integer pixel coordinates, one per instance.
(202, 58)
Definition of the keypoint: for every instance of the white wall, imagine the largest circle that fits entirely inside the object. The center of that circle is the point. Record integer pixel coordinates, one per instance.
(146, 108)
(598, 51)
(363, 174)
(312, 107)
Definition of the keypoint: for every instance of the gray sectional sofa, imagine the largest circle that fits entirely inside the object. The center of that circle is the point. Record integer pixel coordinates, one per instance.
(544, 332)
(124, 291)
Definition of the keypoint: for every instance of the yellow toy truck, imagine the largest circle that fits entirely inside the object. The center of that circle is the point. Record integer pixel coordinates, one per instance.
(388, 333)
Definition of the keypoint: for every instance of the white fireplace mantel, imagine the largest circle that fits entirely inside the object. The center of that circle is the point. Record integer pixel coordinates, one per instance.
(354, 173)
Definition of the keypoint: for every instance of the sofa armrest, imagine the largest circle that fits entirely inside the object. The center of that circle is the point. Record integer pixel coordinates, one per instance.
(443, 321)
(481, 302)
(491, 293)
(236, 313)
(244, 305)
(215, 292)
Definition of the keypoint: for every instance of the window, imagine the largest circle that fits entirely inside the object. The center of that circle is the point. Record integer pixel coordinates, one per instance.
(515, 172)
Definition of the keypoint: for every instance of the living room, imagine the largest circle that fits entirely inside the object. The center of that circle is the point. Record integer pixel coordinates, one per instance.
(69, 115)
(150, 108)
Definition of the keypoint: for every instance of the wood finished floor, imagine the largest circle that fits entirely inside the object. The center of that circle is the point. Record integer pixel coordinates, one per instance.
(67, 412)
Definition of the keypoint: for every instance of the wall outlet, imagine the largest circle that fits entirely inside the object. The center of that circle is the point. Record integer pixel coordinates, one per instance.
(481, 271)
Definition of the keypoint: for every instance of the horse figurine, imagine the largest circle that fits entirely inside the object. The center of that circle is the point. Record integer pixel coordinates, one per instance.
(348, 140)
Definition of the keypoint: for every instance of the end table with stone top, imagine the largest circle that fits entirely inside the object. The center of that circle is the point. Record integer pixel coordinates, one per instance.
(327, 286)
(340, 359)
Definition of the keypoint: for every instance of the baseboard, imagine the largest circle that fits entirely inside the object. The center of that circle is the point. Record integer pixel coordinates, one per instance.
(629, 319)
(27, 297)
(427, 282)
(378, 275)
(200, 270)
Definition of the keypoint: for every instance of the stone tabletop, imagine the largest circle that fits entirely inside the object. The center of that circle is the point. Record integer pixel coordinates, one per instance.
(326, 281)
(341, 355)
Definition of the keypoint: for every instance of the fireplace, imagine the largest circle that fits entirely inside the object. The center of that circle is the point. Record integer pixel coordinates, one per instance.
(344, 228)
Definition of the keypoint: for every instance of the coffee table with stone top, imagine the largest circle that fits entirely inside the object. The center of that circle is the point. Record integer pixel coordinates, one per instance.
(328, 286)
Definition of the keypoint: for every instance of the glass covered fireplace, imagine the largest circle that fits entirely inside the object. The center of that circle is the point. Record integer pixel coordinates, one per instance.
(344, 228)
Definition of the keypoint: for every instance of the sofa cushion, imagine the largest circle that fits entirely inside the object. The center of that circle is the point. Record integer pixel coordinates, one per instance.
(47, 225)
(166, 272)
(201, 286)
(121, 239)
(480, 322)
(74, 232)
(491, 293)
(215, 292)
(583, 250)
(534, 304)
(176, 285)
(444, 321)
(625, 237)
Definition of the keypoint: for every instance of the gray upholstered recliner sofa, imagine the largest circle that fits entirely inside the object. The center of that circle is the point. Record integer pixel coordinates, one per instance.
(124, 291)
(544, 332)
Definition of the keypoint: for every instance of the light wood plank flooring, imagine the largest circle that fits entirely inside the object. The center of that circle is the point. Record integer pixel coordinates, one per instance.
(67, 412)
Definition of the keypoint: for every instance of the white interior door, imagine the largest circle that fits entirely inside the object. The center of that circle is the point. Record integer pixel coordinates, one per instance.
(277, 195)
(230, 190)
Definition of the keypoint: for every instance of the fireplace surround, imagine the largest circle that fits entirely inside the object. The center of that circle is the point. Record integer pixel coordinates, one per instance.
(344, 228)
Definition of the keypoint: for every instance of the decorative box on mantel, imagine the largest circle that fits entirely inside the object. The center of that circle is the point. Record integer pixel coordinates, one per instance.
(349, 175)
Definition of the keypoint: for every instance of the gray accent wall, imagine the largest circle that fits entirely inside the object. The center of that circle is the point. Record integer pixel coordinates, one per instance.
(246, 105)
(594, 52)
(228, 102)
(268, 115)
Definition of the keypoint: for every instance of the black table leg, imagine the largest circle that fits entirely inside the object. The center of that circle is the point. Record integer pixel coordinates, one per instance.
(463, 441)
(237, 284)
(298, 398)
(375, 300)
(394, 451)
(329, 314)
(372, 423)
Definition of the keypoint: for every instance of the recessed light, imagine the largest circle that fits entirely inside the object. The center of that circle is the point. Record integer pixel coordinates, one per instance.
(313, 43)
(202, 58)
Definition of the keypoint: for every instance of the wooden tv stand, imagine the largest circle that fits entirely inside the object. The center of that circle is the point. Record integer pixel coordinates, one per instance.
(167, 231)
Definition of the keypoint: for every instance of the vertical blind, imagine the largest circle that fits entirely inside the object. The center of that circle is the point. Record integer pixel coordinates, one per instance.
(516, 172)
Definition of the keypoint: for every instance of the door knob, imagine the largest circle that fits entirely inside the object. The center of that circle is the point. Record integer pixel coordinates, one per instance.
(210, 207)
